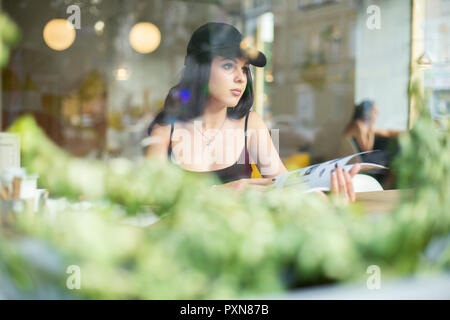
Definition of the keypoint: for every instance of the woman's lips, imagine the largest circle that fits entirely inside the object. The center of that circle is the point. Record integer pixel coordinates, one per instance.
(236, 92)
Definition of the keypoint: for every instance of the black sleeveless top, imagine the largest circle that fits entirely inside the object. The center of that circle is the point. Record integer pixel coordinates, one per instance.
(378, 157)
(234, 172)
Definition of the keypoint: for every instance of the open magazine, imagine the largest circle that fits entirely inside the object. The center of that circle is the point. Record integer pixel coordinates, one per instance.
(318, 176)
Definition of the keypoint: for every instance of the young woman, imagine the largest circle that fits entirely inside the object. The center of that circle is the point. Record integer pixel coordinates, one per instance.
(206, 124)
(362, 126)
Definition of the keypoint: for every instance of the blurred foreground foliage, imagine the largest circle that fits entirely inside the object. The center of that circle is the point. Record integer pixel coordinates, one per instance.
(9, 37)
(214, 244)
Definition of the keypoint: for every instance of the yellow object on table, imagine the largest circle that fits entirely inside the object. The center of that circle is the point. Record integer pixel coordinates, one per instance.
(255, 172)
(293, 162)
(297, 161)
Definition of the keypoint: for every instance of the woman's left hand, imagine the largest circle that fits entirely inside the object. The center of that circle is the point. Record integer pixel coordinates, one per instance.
(341, 182)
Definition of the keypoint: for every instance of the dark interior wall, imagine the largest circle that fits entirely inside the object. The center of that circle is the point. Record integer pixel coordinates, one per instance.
(38, 78)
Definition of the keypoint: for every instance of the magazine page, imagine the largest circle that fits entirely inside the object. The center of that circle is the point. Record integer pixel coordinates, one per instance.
(318, 176)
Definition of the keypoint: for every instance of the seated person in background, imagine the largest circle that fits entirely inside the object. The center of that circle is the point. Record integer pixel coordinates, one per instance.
(366, 137)
(362, 127)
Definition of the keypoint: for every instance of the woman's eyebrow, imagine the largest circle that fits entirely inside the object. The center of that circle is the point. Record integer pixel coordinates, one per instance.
(232, 59)
(246, 64)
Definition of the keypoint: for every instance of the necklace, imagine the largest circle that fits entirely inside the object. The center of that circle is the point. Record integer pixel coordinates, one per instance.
(210, 140)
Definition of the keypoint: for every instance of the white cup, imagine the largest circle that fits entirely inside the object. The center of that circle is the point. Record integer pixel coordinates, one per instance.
(28, 186)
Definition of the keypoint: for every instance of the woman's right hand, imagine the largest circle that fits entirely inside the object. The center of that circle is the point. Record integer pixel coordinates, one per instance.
(242, 184)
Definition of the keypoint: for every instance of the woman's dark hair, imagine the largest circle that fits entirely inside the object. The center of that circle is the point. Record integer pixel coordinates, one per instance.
(363, 111)
(188, 98)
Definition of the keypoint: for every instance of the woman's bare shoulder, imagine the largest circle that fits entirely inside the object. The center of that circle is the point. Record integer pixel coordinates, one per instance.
(160, 130)
(255, 121)
(161, 135)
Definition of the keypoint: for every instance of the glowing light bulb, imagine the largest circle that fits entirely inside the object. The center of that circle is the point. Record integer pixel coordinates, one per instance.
(59, 34)
(145, 37)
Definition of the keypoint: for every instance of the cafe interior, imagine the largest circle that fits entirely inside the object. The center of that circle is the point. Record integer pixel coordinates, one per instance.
(93, 74)
(96, 89)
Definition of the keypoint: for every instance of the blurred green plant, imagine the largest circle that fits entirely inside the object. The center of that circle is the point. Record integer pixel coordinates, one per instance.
(214, 244)
(9, 37)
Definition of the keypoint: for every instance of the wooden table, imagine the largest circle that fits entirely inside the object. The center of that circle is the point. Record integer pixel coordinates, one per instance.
(380, 201)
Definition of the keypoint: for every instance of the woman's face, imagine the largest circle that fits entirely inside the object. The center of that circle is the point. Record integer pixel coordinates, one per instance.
(374, 113)
(228, 80)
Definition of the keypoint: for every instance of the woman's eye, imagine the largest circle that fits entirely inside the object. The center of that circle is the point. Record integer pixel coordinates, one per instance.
(227, 66)
(245, 69)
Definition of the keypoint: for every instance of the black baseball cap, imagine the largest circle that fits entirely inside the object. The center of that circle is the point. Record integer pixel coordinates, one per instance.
(224, 40)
